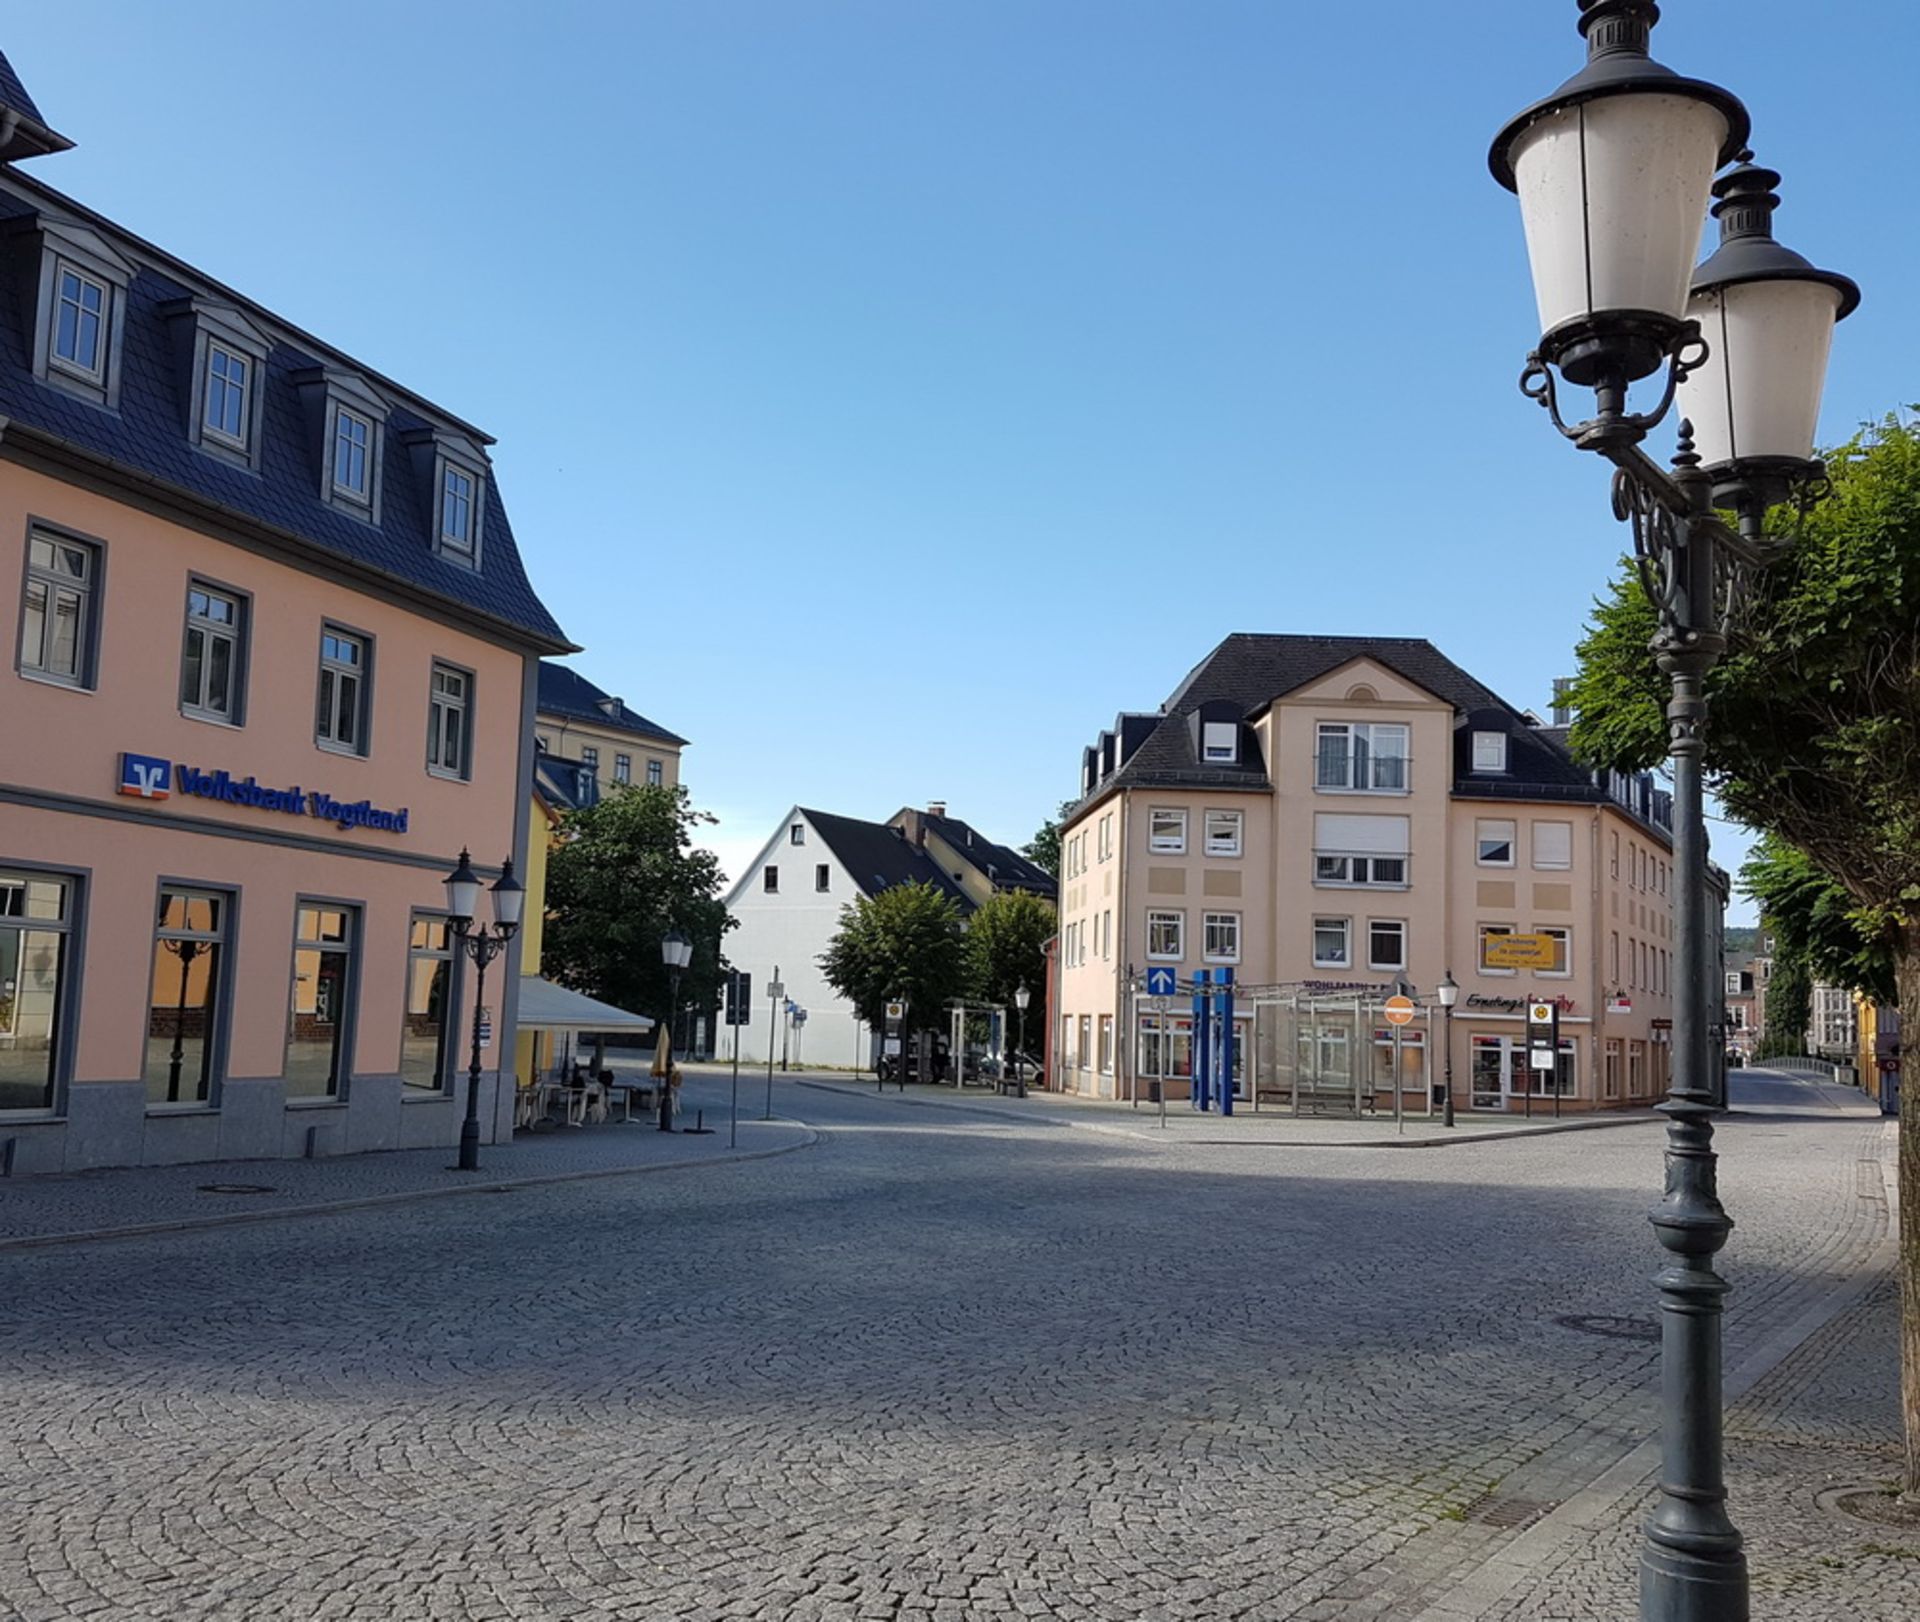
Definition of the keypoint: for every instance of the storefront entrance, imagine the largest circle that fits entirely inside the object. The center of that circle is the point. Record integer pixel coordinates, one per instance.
(1500, 1073)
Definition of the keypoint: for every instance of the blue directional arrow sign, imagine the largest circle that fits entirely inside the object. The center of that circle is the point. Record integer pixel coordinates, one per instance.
(1161, 982)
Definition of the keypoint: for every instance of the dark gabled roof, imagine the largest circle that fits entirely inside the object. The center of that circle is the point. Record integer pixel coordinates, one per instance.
(1248, 671)
(567, 785)
(1011, 870)
(567, 693)
(147, 436)
(29, 137)
(878, 857)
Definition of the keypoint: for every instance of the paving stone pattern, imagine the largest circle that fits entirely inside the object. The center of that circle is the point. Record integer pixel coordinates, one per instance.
(937, 1366)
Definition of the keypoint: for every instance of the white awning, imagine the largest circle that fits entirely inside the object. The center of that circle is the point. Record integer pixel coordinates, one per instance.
(547, 1007)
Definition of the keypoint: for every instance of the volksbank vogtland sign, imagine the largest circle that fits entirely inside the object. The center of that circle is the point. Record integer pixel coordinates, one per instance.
(149, 777)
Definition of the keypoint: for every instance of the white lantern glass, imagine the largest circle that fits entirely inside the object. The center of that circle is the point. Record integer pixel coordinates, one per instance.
(1613, 198)
(1758, 395)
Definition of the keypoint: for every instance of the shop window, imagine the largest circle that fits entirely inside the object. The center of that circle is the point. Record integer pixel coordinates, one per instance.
(36, 913)
(185, 1007)
(427, 1038)
(322, 1012)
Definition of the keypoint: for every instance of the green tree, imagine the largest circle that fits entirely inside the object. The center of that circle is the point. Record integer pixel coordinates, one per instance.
(1789, 1006)
(1005, 941)
(1043, 849)
(905, 942)
(622, 874)
(1811, 916)
(1814, 737)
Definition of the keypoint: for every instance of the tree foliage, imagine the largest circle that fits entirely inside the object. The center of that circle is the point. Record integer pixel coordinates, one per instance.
(1811, 917)
(1005, 939)
(905, 942)
(1814, 737)
(1789, 1007)
(1043, 849)
(621, 875)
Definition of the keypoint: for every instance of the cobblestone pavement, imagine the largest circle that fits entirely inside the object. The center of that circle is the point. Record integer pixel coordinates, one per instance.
(938, 1366)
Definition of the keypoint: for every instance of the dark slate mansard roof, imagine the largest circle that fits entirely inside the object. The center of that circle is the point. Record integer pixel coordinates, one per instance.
(23, 132)
(1250, 670)
(878, 857)
(147, 434)
(567, 693)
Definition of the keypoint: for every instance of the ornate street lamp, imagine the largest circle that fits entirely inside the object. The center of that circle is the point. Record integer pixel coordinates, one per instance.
(1021, 997)
(483, 945)
(1613, 172)
(676, 952)
(1448, 991)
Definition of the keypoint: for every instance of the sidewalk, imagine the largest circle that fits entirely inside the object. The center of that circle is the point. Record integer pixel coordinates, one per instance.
(158, 1199)
(1185, 1125)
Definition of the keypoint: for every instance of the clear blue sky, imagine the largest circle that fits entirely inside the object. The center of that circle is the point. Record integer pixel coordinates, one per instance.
(890, 391)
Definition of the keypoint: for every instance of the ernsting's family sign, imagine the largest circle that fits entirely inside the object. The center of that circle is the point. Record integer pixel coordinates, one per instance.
(148, 777)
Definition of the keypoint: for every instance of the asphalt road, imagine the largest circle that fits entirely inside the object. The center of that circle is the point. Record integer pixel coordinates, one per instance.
(937, 1365)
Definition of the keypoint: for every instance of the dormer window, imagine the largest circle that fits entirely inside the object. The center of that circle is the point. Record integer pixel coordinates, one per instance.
(224, 354)
(74, 286)
(1489, 751)
(346, 422)
(79, 324)
(229, 378)
(455, 473)
(1220, 741)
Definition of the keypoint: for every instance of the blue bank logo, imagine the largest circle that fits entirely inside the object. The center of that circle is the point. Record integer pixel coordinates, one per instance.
(145, 776)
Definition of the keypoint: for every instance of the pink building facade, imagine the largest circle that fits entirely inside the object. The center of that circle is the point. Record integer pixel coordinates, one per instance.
(272, 663)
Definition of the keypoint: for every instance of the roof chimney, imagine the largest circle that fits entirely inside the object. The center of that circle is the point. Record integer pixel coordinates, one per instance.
(936, 808)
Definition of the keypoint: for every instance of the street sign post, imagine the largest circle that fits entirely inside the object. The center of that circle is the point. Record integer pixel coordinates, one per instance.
(1162, 982)
(1399, 1010)
(1543, 1049)
(776, 993)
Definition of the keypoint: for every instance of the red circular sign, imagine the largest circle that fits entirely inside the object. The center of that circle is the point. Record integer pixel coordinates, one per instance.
(1399, 1010)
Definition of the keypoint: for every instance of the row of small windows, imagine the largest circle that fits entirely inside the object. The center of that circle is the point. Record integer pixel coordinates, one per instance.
(59, 642)
(187, 1014)
(822, 878)
(228, 358)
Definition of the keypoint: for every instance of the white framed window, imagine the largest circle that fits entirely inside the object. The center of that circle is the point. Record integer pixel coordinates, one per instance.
(1562, 939)
(1220, 741)
(341, 722)
(1493, 841)
(797, 834)
(59, 612)
(1487, 934)
(1167, 830)
(449, 722)
(1553, 845)
(1361, 757)
(1489, 751)
(1106, 1044)
(227, 400)
(1733, 981)
(656, 774)
(1086, 1042)
(1223, 832)
(352, 455)
(210, 674)
(1332, 943)
(1166, 935)
(1107, 924)
(1220, 937)
(1386, 943)
(81, 312)
(1360, 872)
(459, 501)
(590, 757)
(623, 768)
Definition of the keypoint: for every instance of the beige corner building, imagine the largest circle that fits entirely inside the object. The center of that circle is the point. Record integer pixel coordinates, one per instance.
(1333, 818)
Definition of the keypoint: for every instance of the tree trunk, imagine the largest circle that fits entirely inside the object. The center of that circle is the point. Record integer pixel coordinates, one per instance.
(1907, 970)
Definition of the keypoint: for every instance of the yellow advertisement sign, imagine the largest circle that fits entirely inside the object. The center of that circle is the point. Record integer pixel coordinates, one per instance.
(1522, 952)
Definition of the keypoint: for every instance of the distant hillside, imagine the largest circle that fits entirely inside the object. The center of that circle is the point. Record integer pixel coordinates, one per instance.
(1742, 938)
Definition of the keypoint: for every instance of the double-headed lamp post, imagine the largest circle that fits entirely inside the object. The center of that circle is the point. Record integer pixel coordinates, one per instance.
(1613, 172)
(483, 943)
(676, 952)
(1448, 991)
(1021, 997)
